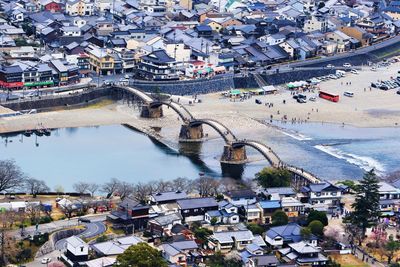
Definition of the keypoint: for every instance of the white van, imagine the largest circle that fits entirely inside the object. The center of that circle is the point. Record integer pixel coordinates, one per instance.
(349, 94)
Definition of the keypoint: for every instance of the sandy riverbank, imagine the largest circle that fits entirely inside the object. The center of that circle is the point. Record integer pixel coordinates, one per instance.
(369, 108)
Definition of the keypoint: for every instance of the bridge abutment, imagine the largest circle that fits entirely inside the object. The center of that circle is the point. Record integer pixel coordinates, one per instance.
(191, 133)
(234, 155)
(151, 112)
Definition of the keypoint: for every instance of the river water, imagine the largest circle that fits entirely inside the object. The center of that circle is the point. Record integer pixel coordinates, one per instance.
(96, 154)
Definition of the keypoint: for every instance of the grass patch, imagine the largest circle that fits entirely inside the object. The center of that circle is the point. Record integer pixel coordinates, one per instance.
(100, 104)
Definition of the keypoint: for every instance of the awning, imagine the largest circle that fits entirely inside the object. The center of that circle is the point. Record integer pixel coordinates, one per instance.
(387, 213)
(235, 92)
(39, 83)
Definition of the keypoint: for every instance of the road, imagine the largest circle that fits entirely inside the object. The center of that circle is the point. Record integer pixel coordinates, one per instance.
(57, 225)
(92, 229)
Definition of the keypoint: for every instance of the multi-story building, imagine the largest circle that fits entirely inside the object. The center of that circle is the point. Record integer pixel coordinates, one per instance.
(157, 66)
(11, 77)
(79, 7)
(316, 23)
(101, 60)
(65, 73)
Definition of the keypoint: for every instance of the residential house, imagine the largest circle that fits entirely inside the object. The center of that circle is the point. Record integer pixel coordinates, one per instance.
(302, 254)
(77, 249)
(292, 207)
(227, 241)
(51, 5)
(115, 247)
(357, 33)
(194, 209)
(323, 194)
(389, 199)
(277, 193)
(281, 236)
(253, 256)
(162, 224)
(166, 197)
(268, 208)
(251, 213)
(180, 252)
(79, 7)
(241, 197)
(226, 214)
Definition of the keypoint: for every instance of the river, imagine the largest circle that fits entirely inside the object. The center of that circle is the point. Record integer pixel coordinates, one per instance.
(96, 154)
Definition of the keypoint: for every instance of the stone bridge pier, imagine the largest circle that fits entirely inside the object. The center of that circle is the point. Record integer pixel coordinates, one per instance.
(234, 155)
(191, 133)
(151, 112)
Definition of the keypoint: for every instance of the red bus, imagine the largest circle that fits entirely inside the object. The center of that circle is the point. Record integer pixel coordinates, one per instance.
(328, 96)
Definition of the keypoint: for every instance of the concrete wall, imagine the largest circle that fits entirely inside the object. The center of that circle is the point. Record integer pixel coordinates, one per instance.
(201, 86)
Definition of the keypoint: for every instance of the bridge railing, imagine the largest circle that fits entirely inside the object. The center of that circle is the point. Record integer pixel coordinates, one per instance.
(302, 171)
(219, 123)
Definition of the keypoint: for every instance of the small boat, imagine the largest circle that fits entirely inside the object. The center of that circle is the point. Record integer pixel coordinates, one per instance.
(47, 132)
(39, 132)
(28, 133)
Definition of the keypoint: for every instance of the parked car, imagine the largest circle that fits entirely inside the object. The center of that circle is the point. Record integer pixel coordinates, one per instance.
(349, 94)
(301, 100)
(373, 68)
(330, 66)
(258, 101)
(45, 260)
(126, 76)
(398, 92)
(347, 65)
(84, 220)
(313, 98)
(354, 71)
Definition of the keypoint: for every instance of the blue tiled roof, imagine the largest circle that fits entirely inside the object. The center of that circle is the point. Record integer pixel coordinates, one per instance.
(271, 204)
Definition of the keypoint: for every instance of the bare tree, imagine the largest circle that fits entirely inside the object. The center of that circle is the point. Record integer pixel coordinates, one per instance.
(162, 186)
(81, 187)
(124, 189)
(93, 187)
(141, 192)
(68, 210)
(110, 187)
(33, 211)
(181, 184)
(35, 186)
(228, 184)
(11, 176)
(206, 186)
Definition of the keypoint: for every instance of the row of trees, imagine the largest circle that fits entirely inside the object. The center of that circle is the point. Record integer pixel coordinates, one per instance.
(204, 186)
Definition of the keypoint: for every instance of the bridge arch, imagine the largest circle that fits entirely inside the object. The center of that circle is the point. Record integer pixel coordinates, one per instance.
(263, 149)
(224, 131)
(182, 111)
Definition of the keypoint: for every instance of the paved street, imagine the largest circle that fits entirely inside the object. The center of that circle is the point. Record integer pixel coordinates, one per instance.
(92, 229)
(58, 225)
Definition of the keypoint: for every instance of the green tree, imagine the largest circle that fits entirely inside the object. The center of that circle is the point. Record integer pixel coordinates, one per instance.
(317, 215)
(218, 260)
(141, 255)
(272, 177)
(202, 234)
(255, 228)
(366, 206)
(279, 217)
(317, 228)
(390, 248)
(305, 233)
(214, 221)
